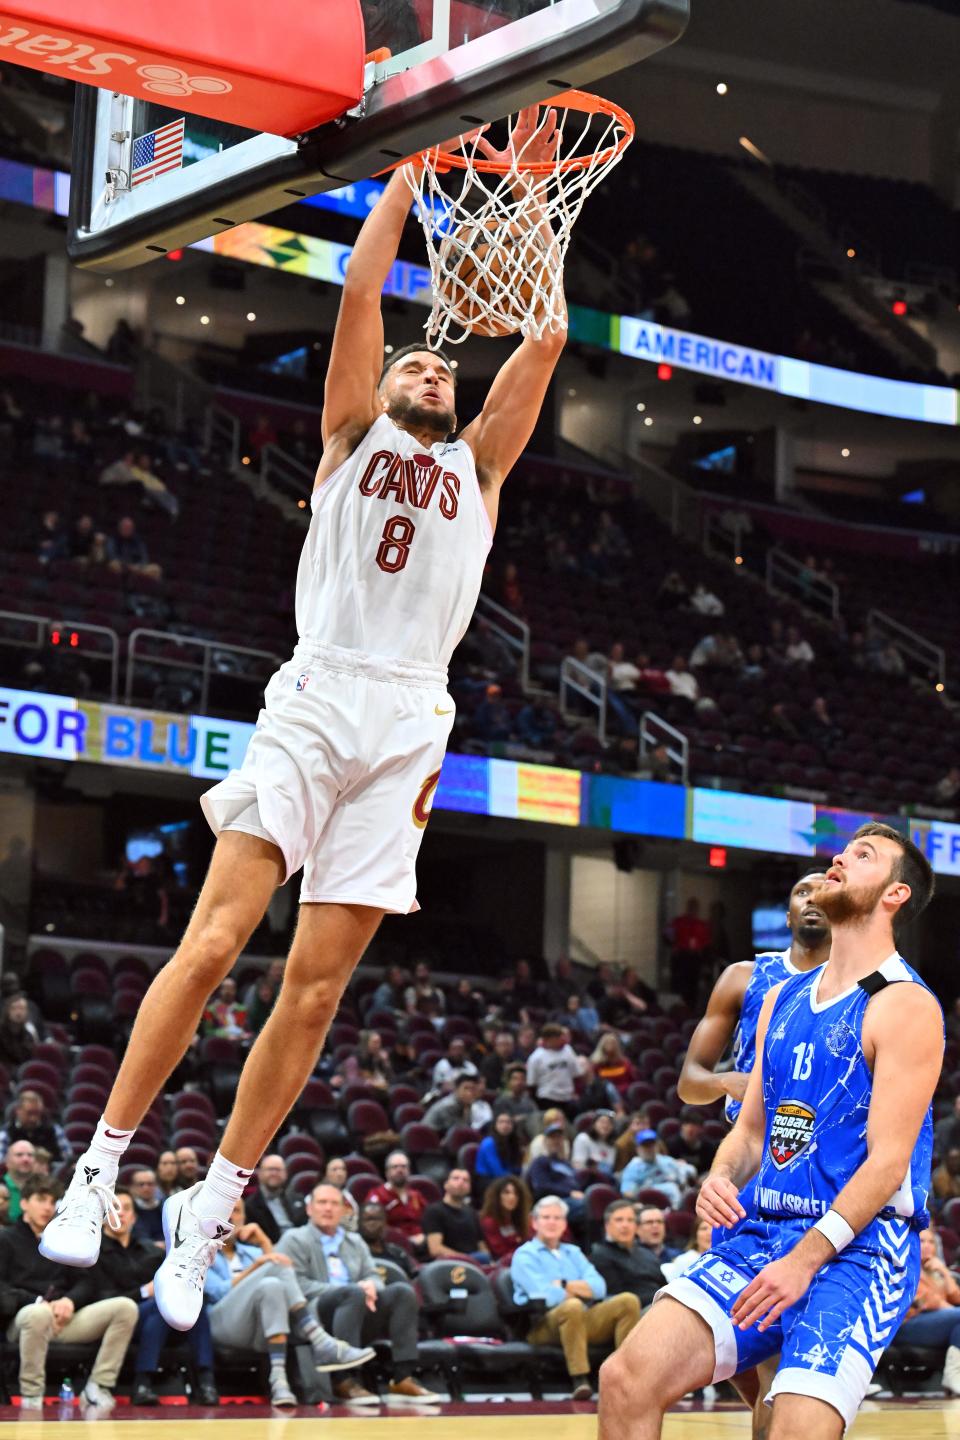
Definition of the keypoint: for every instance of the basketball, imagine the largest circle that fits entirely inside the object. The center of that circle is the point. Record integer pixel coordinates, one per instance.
(489, 275)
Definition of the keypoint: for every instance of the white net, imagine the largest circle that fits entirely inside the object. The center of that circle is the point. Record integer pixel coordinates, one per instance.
(497, 232)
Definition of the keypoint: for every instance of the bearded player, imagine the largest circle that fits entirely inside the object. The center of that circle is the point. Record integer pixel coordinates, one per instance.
(836, 1125)
(340, 773)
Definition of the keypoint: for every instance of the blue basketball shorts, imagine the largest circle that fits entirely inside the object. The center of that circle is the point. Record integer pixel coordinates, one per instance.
(831, 1340)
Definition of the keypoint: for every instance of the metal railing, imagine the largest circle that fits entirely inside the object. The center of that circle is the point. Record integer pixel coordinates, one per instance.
(590, 685)
(679, 505)
(163, 384)
(205, 667)
(280, 470)
(724, 532)
(44, 626)
(221, 433)
(513, 631)
(654, 731)
(792, 578)
(929, 660)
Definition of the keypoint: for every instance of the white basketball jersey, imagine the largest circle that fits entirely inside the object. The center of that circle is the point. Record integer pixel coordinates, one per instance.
(394, 556)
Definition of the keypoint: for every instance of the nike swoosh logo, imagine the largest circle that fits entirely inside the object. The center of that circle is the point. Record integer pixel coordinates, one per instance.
(177, 1239)
(116, 1134)
(438, 711)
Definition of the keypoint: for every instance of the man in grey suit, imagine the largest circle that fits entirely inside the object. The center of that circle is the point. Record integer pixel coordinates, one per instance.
(337, 1275)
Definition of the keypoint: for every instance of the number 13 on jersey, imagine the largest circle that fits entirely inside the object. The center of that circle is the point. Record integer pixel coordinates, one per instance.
(803, 1064)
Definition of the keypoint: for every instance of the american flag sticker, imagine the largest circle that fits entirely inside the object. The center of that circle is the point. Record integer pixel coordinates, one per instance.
(158, 152)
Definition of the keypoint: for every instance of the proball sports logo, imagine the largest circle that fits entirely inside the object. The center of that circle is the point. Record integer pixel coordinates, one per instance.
(40, 49)
(790, 1131)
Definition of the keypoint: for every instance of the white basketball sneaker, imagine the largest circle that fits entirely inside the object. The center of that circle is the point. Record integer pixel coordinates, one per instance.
(73, 1235)
(192, 1246)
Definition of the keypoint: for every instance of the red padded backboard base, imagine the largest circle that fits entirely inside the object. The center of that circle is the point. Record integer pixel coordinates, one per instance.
(284, 70)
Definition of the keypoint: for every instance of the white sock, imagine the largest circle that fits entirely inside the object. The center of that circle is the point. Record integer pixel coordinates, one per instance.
(221, 1190)
(105, 1151)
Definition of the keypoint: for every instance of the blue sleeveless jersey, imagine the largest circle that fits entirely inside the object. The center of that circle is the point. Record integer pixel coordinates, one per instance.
(816, 1093)
(769, 969)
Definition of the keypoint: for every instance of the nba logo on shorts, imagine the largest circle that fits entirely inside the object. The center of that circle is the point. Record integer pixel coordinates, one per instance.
(302, 681)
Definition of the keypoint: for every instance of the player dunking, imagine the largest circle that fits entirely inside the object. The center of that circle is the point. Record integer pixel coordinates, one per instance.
(341, 770)
(733, 1011)
(836, 1126)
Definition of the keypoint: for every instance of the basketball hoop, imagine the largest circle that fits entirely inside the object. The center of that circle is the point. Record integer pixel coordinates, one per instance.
(497, 241)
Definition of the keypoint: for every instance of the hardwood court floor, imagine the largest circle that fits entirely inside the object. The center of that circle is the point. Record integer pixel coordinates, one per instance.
(907, 1421)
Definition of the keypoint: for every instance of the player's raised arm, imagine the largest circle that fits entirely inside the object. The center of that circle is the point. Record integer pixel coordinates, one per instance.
(698, 1083)
(350, 400)
(738, 1158)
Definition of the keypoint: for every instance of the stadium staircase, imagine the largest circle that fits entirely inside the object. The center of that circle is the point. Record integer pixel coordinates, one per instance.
(843, 286)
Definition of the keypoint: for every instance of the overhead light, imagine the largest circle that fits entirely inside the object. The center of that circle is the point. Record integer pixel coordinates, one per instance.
(245, 460)
(251, 315)
(698, 419)
(939, 687)
(204, 319)
(738, 559)
(181, 299)
(387, 349)
(571, 393)
(109, 284)
(454, 364)
(851, 253)
(648, 420)
(845, 453)
(641, 407)
(301, 504)
(722, 88)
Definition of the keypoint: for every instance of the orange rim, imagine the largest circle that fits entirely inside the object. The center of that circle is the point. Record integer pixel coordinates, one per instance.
(582, 100)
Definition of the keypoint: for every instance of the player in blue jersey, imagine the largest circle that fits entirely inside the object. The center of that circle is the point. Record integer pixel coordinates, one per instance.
(732, 1012)
(836, 1126)
(734, 1005)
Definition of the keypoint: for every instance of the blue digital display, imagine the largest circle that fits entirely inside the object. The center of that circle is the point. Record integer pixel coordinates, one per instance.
(464, 784)
(635, 807)
(357, 199)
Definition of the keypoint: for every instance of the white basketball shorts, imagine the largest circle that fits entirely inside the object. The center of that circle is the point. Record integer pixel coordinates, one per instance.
(340, 773)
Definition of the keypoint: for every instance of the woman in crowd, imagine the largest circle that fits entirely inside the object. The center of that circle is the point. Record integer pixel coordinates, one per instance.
(256, 1301)
(500, 1153)
(580, 1015)
(167, 1175)
(700, 1234)
(537, 1145)
(610, 1063)
(373, 1062)
(505, 1216)
(933, 1319)
(337, 1174)
(594, 1149)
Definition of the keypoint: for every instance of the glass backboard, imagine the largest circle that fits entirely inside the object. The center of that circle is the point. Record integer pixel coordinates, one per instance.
(148, 178)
